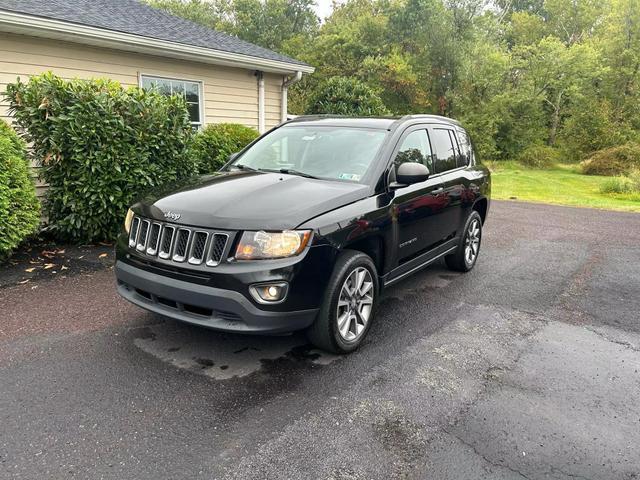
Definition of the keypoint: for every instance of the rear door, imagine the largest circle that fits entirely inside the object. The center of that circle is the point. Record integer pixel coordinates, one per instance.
(449, 167)
(417, 208)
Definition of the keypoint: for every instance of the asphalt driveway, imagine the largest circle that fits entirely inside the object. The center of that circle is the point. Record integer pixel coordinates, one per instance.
(527, 367)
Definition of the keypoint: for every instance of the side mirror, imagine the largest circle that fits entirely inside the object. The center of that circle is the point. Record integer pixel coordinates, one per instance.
(409, 173)
(232, 156)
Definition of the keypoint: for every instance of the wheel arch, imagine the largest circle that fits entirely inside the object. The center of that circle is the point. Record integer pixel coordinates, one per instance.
(481, 206)
(373, 246)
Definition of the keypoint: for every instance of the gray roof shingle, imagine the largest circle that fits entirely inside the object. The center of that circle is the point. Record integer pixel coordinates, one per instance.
(134, 17)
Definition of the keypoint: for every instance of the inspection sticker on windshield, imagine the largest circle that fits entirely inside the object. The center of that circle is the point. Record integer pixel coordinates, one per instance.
(349, 176)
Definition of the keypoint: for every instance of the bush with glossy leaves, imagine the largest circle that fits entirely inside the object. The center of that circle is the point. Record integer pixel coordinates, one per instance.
(213, 145)
(100, 147)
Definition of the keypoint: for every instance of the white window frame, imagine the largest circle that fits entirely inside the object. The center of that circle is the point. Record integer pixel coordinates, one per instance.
(201, 109)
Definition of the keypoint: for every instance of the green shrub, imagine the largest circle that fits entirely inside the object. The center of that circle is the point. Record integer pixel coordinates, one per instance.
(19, 207)
(622, 184)
(539, 156)
(213, 145)
(613, 161)
(345, 96)
(100, 147)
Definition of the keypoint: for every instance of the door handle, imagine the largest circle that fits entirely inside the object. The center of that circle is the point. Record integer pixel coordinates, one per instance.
(437, 191)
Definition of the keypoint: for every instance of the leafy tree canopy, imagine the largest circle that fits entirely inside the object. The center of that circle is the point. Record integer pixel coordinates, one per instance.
(517, 73)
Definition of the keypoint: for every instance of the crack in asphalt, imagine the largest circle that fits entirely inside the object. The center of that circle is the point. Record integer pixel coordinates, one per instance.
(482, 456)
(488, 381)
(606, 337)
(567, 474)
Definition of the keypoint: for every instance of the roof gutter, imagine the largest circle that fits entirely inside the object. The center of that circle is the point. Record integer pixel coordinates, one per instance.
(100, 37)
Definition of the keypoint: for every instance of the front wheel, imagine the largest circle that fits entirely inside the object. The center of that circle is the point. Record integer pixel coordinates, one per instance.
(466, 255)
(349, 304)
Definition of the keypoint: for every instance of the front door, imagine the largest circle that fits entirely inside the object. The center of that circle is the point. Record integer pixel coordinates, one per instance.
(417, 208)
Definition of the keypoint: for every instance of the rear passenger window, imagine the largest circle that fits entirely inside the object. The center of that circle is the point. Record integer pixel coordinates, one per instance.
(456, 147)
(465, 149)
(415, 148)
(445, 152)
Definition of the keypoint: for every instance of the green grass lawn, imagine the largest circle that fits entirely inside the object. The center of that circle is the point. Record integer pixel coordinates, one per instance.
(562, 185)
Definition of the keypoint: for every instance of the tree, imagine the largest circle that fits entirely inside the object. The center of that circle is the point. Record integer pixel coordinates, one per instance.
(268, 23)
(619, 41)
(209, 14)
(573, 21)
(346, 96)
(554, 74)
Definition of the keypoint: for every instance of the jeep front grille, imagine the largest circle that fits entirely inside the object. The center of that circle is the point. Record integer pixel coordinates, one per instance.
(178, 244)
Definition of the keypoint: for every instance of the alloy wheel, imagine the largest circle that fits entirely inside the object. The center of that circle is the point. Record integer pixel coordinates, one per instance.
(355, 304)
(472, 242)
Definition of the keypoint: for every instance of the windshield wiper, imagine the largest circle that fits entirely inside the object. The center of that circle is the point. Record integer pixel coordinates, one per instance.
(240, 166)
(287, 171)
(290, 171)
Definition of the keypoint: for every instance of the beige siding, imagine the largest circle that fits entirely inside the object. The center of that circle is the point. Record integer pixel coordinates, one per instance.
(230, 94)
(272, 99)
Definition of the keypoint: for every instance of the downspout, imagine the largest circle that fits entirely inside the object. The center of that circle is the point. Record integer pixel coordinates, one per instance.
(285, 88)
(261, 122)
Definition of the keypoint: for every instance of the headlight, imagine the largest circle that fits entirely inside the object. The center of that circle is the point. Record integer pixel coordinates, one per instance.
(262, 245)
(127, 221)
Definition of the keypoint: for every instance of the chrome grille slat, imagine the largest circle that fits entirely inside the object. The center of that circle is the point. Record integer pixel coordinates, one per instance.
(154, 239)
(216, 249)
(169, 242)
(183, 236)
(198, 245)
(143, 235)
(133, 234)
(166, 242)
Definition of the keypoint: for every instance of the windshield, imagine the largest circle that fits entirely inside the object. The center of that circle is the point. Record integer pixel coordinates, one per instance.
(336, 153)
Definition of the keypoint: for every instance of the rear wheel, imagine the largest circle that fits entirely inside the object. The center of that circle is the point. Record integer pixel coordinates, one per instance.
(466, 255)
(349, 304)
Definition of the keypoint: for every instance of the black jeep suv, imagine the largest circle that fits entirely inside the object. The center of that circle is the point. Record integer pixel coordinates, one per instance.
(305, 226)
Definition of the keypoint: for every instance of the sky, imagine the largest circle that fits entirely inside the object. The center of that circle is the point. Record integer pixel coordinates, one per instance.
(323, 8)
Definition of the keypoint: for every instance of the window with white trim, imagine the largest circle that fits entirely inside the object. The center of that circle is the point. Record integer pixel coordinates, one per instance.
(190, 90)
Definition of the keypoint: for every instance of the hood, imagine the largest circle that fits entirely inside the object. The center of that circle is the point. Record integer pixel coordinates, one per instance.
(252, 201)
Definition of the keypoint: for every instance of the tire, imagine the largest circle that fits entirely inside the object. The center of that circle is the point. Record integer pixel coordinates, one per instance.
(461, 260)
(328, 332)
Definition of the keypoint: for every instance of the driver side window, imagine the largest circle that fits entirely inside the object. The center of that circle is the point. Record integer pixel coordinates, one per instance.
(415, 148)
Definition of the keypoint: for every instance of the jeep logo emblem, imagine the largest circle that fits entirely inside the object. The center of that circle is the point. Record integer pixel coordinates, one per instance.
(172, 216)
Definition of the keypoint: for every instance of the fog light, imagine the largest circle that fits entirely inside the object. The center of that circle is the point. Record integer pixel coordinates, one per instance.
(269, 292)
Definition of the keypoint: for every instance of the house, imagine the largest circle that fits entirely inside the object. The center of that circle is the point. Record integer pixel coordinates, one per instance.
(223, 78)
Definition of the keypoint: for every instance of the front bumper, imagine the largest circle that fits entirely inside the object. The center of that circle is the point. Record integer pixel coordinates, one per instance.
(204, 305)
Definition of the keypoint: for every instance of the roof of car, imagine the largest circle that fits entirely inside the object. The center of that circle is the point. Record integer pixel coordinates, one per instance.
(387, 123)
(137, 18)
